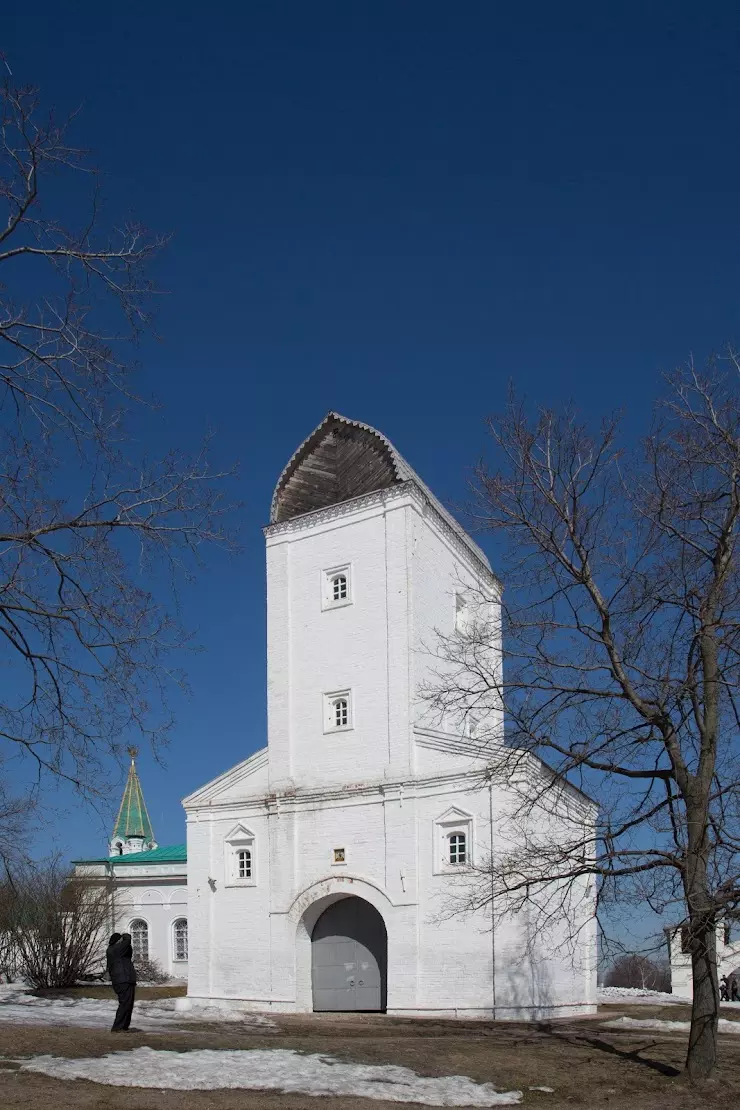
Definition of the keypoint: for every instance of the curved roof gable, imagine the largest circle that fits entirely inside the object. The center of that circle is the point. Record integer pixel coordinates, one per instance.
(343, 459)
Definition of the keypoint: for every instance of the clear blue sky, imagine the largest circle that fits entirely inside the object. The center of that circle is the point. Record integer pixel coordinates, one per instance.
(391, 209)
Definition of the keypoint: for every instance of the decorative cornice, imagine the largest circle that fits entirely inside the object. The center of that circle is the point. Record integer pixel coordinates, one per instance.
(333, 512)
(274, 803)
(462, 544)
(443, 742)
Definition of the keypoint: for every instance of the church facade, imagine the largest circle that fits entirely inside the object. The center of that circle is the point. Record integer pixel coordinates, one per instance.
(322, 868)
(146, 885)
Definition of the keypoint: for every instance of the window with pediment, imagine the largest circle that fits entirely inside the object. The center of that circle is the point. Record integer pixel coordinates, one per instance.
(240, 855)
(453, 841)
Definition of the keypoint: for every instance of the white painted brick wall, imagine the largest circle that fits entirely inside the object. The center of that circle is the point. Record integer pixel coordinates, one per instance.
(160, 906)
(728, 960)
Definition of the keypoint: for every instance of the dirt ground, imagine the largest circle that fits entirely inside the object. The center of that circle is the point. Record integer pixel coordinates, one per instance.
(588, 1066)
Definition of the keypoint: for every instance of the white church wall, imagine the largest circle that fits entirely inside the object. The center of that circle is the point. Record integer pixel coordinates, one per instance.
(455, 949)
(201, 936)
(231, 919)
(355, 830)
(250, 777)
(441, 573)
(358, 647)
(435, 964)
(159, 906)
(728, 959)
(548, 948)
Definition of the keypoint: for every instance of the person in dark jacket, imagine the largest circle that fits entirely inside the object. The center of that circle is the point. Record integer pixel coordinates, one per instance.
(123, 978)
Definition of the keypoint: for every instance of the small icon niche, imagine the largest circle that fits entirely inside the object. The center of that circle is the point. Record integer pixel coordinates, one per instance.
(339, 855)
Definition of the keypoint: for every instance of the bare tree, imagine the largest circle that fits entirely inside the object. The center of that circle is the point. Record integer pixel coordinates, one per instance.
(53, 926)
(92, 534)
(637, 971)
(621, 638)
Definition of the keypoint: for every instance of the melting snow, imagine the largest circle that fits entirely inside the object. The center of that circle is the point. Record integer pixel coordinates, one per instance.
(635, 994)
(725, 1026)
(19, 1007)
(276, 1069)
(648, 998)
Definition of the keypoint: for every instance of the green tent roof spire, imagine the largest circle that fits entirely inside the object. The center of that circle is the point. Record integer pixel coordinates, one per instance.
(133, 816)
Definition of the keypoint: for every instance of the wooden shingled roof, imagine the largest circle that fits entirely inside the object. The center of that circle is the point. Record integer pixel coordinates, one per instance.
(343, 459)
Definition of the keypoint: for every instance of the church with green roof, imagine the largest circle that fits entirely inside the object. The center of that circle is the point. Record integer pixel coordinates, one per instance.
(147, 883)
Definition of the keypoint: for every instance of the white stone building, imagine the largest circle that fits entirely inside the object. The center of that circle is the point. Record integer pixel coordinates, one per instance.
(318, 867)
(147, 885)
(728, 955)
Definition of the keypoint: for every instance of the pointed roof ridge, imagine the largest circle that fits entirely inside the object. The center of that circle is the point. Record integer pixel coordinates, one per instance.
(400, 469)
(133, 816)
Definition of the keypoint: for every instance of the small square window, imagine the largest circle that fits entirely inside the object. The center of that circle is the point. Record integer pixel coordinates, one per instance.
(336, 587)
(338, 715)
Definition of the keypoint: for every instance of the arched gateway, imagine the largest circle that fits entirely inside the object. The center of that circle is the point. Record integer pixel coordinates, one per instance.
(349, 957)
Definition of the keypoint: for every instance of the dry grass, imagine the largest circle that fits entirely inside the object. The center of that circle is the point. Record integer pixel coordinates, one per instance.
(589, 1067)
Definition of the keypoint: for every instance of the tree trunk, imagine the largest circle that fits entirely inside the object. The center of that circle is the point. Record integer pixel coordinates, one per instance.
(702, 1055)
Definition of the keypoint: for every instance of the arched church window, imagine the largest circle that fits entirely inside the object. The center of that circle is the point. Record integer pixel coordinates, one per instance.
(140, 939)
(341, 712)
(180, 938)
(458, 848)
(338, 712)
(339, 587)
(244, 863)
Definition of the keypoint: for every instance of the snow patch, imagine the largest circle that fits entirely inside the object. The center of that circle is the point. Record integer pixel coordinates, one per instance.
(648, 998)
(272, 1069)
(18, 1006)
(725, 1026)
(637, 994)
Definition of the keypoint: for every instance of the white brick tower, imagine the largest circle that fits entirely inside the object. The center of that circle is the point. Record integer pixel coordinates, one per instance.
(319, 868)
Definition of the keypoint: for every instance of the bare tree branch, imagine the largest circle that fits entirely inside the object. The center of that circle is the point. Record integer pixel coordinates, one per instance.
(94, 538)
